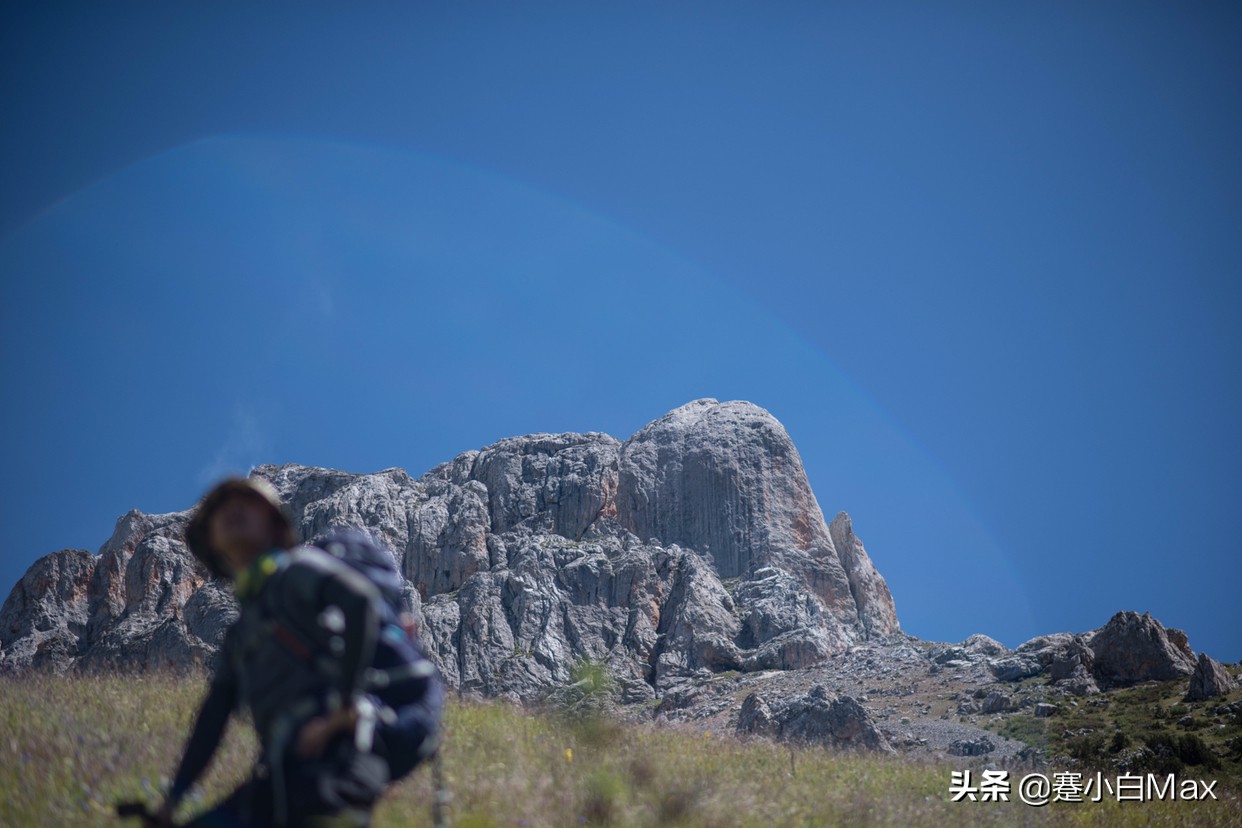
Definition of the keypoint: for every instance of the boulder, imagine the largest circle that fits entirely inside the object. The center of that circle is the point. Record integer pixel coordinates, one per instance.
(981, 645)
(1209, 680)
(1131, 648)
(972, 747)
(1015, 667)
(816, 718)
(997, 702)
(1078, 683)
(755, 717)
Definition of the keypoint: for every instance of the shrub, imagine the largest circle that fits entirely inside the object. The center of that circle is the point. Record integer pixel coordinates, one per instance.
(1181, 750)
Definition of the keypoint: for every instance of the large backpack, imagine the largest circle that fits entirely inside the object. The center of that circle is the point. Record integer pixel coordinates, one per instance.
(403, 682)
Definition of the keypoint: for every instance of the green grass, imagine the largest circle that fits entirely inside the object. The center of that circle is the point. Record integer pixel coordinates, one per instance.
(1120, 722)
(69, 748)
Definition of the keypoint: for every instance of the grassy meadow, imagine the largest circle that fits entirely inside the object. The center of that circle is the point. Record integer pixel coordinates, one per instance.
(71, 747)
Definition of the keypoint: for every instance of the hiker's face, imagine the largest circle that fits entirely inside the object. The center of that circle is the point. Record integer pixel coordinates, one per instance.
(241, 529)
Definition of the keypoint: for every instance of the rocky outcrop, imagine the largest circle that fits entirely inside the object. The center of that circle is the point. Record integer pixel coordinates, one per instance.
(868, 589)
(725, 479)
(43, 619)
(695, 545)
(1209, 680)
(1131, 648)
(977, 649)
(816, 718)
(125, 607)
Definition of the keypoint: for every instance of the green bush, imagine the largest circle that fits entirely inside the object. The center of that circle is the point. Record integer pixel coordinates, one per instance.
(1186, 748)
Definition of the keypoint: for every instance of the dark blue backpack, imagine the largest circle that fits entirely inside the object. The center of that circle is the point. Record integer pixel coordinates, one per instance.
(405, 685)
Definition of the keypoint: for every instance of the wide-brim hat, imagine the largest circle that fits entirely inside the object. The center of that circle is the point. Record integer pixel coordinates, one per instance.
(197, 531)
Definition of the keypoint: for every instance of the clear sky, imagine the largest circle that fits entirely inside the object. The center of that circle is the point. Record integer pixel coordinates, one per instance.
(983, 260)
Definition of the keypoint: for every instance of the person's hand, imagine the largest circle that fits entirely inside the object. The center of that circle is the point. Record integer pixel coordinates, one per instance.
(163, 817)
(314, 736)
(316, 733)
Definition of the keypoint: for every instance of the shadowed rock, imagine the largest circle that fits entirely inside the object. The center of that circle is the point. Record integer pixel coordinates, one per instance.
(1209, 680)
(1131, 648)
(997, 702)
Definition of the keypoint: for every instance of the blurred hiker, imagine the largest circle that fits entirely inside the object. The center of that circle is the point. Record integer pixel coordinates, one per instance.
(402, 681)
(300, 659)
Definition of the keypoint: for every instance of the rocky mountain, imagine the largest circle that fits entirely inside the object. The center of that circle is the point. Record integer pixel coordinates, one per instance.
(695, 545)
(692, 559)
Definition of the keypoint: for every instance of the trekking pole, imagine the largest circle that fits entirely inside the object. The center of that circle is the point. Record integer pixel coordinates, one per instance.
(439, 805)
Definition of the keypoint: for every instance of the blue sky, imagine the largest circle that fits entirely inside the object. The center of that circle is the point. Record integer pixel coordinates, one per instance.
(981, 261)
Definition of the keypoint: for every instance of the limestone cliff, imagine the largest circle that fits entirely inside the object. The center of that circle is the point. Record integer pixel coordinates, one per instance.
(695, 544)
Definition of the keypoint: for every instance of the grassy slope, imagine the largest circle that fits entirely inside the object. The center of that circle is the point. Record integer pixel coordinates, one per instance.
(1106, 730)
(69, 748)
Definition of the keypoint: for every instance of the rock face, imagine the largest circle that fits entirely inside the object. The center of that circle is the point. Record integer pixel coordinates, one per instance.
(696, 544)
(1131, 648)
(48, 610)
(1209, 680)
(136, 604)
(816, 718)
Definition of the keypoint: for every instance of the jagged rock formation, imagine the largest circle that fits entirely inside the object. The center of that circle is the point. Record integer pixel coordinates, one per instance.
(48, 610)
(695, 545)
(815, 718)
(1209, 680)
(1129, 649)
(144, 601)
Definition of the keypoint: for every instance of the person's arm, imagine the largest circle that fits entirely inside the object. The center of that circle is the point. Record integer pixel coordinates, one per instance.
(317, 732)
(213, 716)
